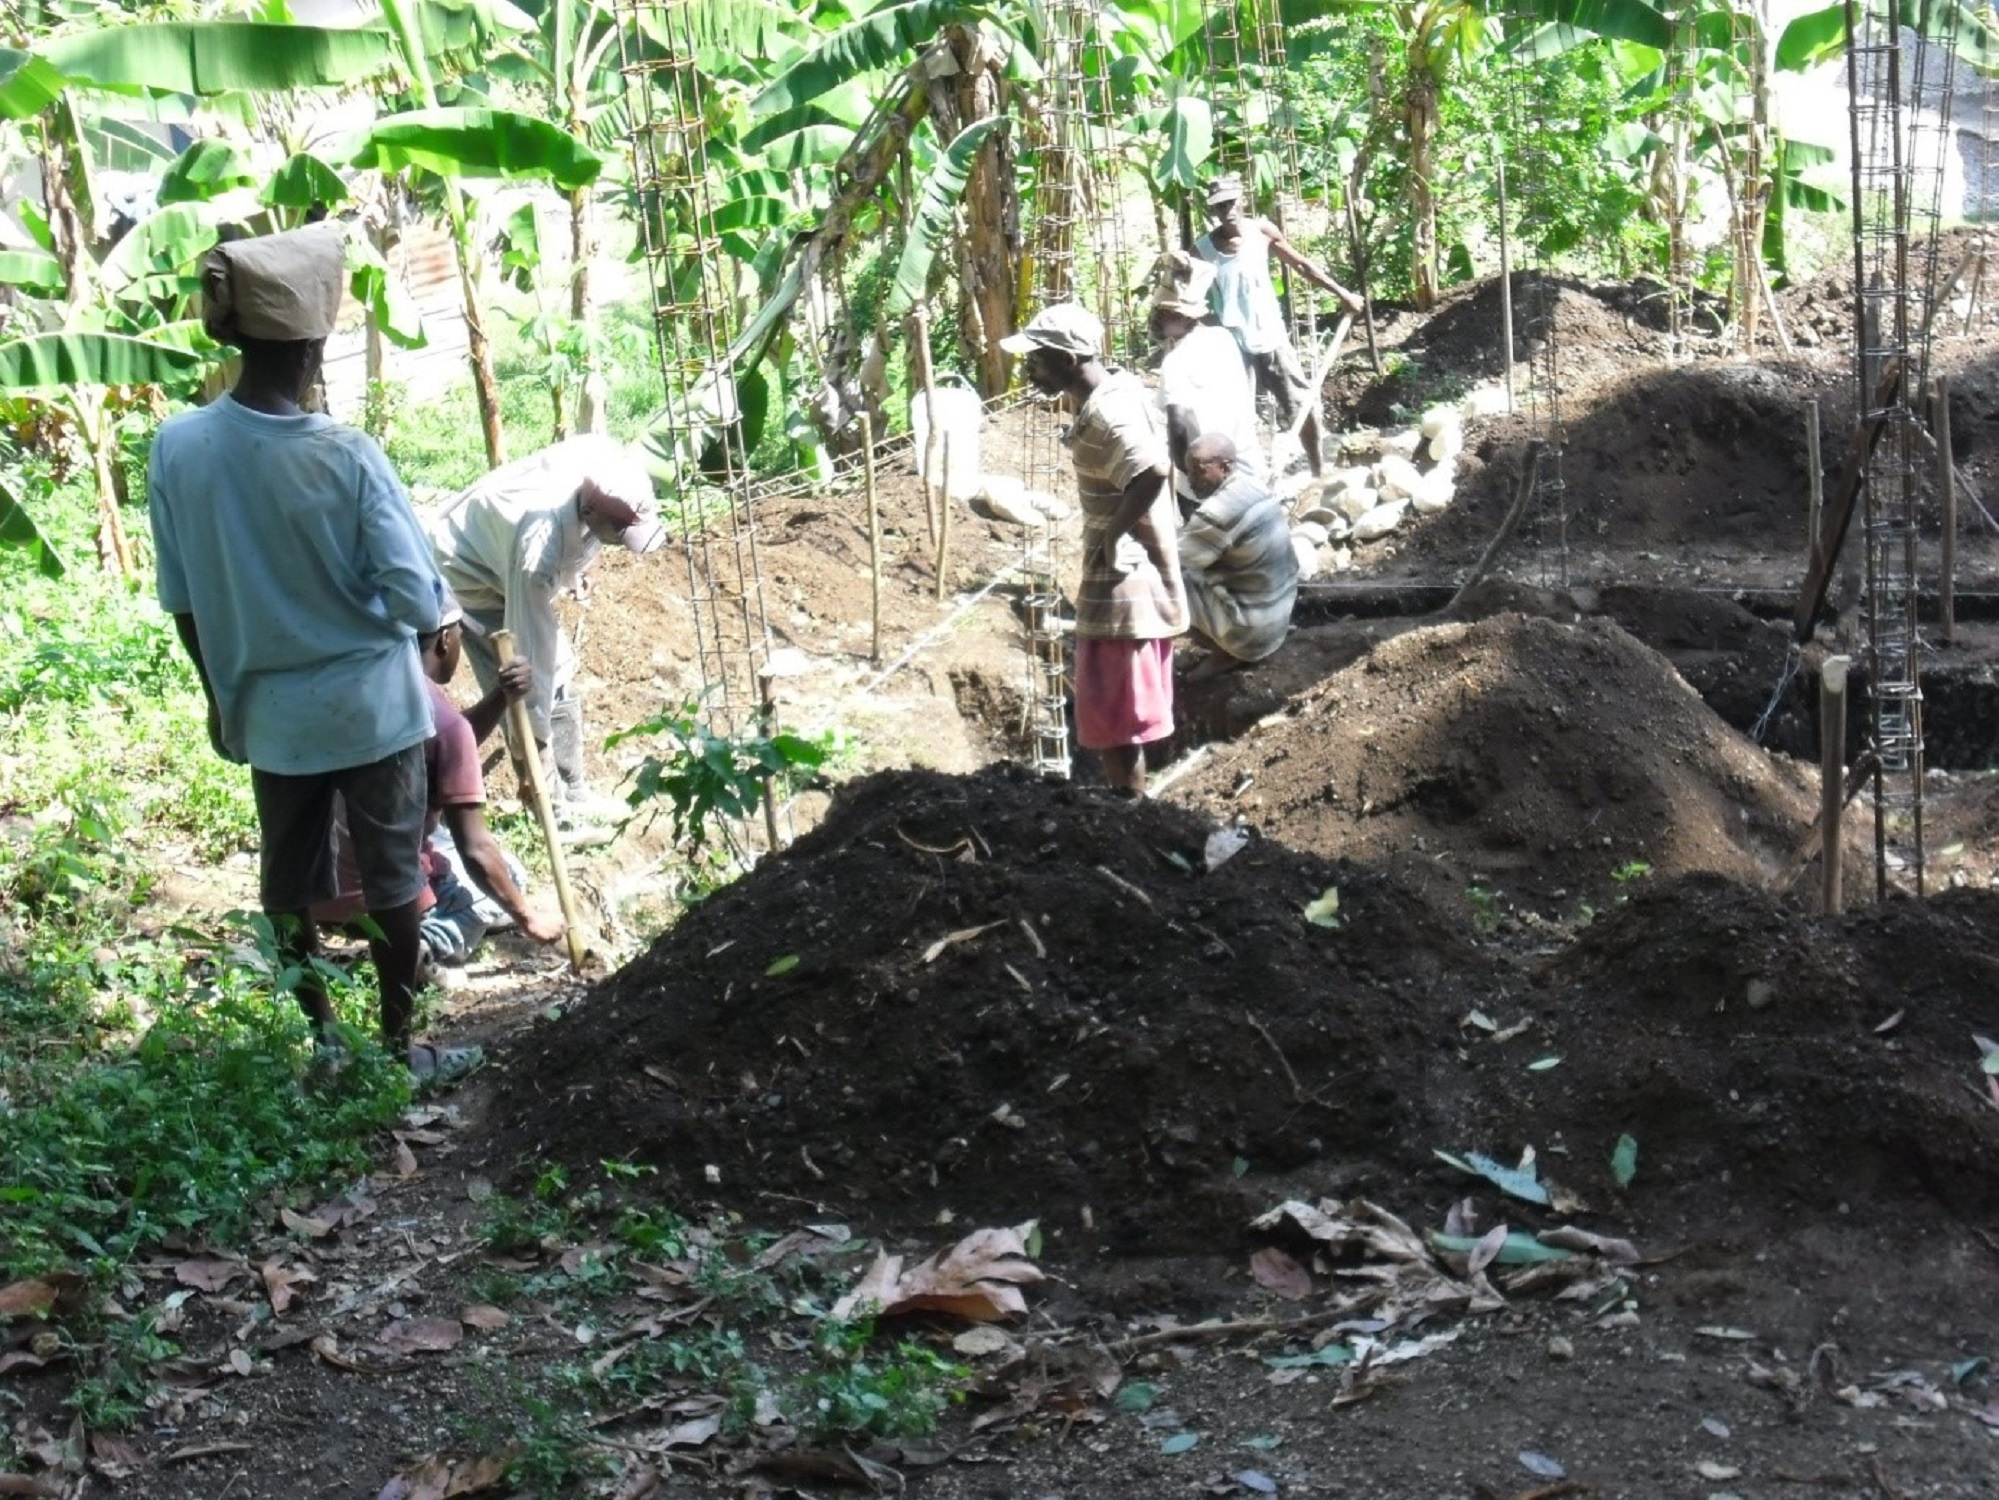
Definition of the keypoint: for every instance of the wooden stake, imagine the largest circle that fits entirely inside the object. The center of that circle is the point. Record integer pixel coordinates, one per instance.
(933, 429)
(523, 731)
(874, 531)
(1816, 473)
(1505, 290)
(1530, 474)
(1832, 782)
(944, 519)
(1947, 491)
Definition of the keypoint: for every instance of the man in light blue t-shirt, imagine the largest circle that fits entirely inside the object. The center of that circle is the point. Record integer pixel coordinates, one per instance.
(299, 582)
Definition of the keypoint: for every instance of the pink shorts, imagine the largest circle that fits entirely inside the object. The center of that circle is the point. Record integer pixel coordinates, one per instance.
(1124, 692)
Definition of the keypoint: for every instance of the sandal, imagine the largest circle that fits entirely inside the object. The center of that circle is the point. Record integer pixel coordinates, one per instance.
(436, 1065)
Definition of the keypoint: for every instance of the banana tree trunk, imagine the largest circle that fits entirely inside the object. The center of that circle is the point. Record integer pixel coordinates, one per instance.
(582, 250)
(478, 348)
(114, 548)
(991, 246)
(1420, 117)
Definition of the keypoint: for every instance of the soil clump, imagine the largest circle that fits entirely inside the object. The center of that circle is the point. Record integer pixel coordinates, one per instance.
(1516, 754)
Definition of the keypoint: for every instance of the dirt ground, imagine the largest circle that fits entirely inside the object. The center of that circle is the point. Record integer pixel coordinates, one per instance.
(1484, 918)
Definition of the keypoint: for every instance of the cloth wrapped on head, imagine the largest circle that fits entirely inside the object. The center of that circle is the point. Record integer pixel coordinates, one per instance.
(1180, 284)
(278, 287)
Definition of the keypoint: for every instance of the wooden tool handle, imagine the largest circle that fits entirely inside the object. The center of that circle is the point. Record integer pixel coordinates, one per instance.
(530, 757)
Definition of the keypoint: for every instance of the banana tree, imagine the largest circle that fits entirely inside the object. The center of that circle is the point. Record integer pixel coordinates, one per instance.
(573, 66)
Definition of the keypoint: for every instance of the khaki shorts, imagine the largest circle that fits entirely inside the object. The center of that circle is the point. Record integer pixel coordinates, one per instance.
(385, 812)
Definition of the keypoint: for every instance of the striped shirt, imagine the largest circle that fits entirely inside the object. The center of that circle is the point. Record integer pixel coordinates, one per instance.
(1241, 570)
(1116, 437)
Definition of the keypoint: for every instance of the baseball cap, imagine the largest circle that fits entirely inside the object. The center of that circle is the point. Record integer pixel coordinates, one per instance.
(449, 610)
(1065, 327)
(625, 498)
(1224, 189)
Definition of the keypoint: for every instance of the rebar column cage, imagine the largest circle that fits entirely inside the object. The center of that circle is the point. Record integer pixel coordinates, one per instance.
(1058, 198)
(1537, 300)
(1897, 198)
(710, 505)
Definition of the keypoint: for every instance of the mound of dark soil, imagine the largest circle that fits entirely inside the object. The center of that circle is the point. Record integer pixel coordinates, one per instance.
(1458, 345)
(1004, 998)
(1707, 456)
(1739, 1044)
(1517, 754)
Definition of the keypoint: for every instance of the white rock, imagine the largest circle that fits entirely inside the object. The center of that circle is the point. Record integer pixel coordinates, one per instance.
(1352, 478)
(1007, 504)
(1437, 419)
(1399, 477)
(1338, 529)
(1403, 444)
(1308, 558)
(1378, 522)
(1047, 504)
(1484, 401)
(1355, 503)
(1342, 559)
(1286, 453)
(1323, 515)
(1446, 445)
(1313, 532)
(1432, 496)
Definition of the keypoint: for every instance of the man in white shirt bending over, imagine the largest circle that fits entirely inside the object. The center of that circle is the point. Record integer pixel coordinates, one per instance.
(514, 541)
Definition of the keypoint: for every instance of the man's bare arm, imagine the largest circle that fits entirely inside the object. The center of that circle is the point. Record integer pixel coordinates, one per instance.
(1285, 251)
(486, 862)
(1133, 505)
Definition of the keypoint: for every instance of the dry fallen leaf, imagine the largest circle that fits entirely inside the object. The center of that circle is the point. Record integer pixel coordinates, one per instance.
(979, 1278)
(240, 1361)
(405, 1159)
(691, 1434)
(208, 1273)
(29, 1299)
(309, 1225)
(483, 1315)
(1276, 1271)
(280, 1283)
(441, 1478)
(423, 1335)
(1488, 1247)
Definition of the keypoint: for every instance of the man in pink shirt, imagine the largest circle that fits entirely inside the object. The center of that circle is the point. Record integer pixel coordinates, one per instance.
(456, 800)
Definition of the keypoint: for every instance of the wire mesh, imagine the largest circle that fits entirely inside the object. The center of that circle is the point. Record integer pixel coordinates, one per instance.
(710, 508)
(1900, 89)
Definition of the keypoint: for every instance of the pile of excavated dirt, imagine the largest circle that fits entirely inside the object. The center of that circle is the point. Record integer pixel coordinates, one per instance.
(865, 1026)
(1760, 1057)
(1004, 998)
(1520, 755)
(1438, 356)
(1708, 456)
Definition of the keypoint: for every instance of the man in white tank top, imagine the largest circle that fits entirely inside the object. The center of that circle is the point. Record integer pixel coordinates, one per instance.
(1240, 246)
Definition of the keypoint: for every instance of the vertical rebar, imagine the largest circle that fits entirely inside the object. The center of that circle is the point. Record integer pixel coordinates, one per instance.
(701, 429)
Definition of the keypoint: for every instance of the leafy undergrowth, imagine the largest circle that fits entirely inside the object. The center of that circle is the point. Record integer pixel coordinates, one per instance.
(153, 1091)
(732, 1339)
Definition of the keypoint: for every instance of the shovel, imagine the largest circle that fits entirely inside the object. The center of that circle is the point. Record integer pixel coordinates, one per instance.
(523, 732)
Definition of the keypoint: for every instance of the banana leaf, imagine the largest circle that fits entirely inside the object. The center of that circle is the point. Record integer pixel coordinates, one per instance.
(884, 38)
(57, 361)
(206, 168)
(33, 271)
(304, 180)
(217, 57)
(18, 532)
(936, 210)
(476, 143)
(28, 85)
(1965, 26)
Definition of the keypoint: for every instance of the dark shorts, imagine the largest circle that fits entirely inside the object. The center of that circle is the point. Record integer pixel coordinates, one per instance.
(1279, 375)
(385, 810)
